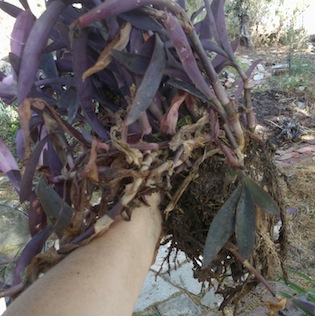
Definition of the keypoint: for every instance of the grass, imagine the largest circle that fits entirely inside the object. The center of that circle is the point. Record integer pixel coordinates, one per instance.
(299, 78)
(9, 123)
(301, 295)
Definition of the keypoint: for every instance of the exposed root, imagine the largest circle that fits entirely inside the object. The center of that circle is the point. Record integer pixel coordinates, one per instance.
(191, 218)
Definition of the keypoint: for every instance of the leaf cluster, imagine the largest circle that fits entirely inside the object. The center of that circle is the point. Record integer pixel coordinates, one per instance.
(104, 91)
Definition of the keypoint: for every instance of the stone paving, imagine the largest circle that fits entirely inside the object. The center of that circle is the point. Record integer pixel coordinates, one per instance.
(175, 293)
(296, 153)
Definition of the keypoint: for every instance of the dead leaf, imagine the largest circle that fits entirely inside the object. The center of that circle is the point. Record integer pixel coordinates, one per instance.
(186, 132)
(119, 42)
(170, 118)
(42, 263)
(275, 307)
(90, 171)
(115, 175)
(101, 145)
(25, 114)
(133, 155)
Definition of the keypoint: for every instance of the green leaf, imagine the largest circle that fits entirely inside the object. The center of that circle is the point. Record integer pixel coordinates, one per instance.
(57, 210)
(311, 296)
(296, 288)
(260, 197)
(304, 276)
(245, 224)
(293, 287)
(221, 228)
(284, 294)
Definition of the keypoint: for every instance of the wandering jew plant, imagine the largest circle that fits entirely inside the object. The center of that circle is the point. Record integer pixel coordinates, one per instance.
(117, 99)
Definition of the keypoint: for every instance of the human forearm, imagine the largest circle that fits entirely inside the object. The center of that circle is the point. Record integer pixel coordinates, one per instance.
(102, 278)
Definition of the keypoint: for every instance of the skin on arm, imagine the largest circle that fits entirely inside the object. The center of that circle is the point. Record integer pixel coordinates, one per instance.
(101, 278)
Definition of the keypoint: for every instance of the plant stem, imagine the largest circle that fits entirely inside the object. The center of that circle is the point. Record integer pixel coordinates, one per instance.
(220, 92)
(250, 113)
(259, 277)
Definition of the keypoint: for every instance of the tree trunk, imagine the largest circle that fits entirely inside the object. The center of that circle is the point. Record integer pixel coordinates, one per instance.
(245, 38)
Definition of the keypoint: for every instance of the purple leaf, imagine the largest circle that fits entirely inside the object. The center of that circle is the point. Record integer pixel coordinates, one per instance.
(9, 166)
(150, 83)
(186, 55)
(245, 224)
(110, 8)
(180, 75)
(8, 89)
(182, 3)
(10, 9)
(54, 162)
(33, 247)
(235, 44)
(217, 7)
(84, 88)
(64, 63)
(55, 207)
(19, 144)
(21, 29)
(133, 62)
(147, 47)
(204, 30)
(222, 60)
(172, 60)
(27, 180)
(70, 102)
(15, 62)
(56, 45)
(155, 108)
(210, 23)
(114, 7)
(55, 168)
(305, 304)
(213, 47)
(48, 65)
(36, 41)
(25, 4)
(260, 197)
(113, 27)
(70, 14)
(37, 219)
(220, 67)
(136, 41)
(221, 228)
(124, 81)
(185, 86)
(141, 20)
(68, 128)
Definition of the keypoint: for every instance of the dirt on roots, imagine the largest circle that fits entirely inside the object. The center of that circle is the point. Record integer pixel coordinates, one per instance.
(189, 223)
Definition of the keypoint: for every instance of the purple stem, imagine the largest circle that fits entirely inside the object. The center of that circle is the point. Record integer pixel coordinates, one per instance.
(114, 7)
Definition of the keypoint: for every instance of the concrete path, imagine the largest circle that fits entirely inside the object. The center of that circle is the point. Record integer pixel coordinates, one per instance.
(175, 293)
